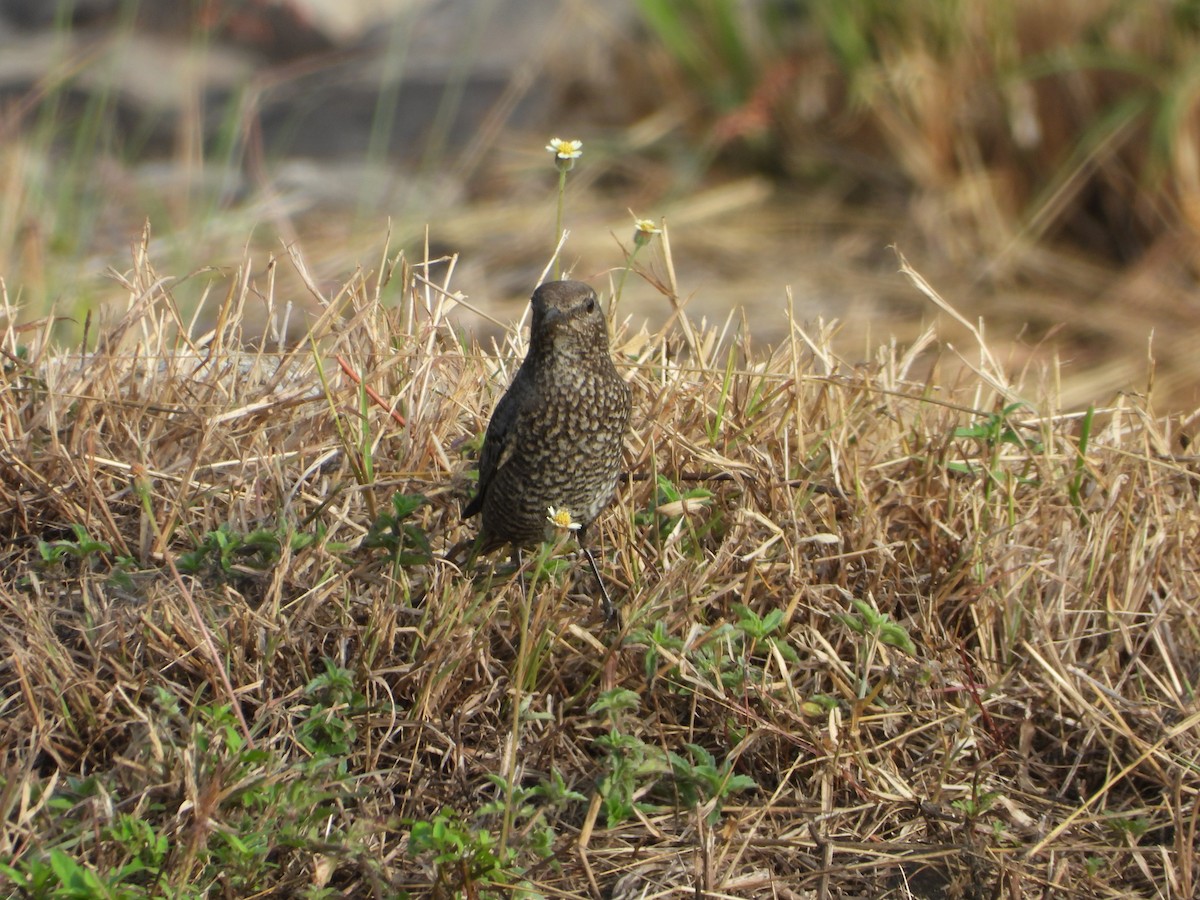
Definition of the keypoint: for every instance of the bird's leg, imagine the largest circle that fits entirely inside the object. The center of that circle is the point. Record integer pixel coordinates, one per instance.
(610, 611)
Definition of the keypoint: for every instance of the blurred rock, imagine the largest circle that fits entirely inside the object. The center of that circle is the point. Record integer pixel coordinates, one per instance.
(316, 79)
(279, 30)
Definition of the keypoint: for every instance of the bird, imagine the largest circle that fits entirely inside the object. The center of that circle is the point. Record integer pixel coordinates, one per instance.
(554, 440)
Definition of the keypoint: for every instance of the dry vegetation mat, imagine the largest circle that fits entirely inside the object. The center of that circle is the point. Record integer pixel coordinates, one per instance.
(880, 635)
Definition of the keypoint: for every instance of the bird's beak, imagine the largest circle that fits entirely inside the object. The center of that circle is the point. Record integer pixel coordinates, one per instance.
(553, 316)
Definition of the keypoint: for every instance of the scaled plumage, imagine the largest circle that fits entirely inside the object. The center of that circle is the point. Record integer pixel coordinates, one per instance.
(555, 437)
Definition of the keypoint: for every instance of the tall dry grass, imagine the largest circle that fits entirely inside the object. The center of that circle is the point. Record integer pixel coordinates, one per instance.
(947, 628)
(1009, 127)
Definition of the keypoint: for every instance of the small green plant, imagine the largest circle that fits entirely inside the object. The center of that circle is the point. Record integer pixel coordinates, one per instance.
(403, 541)
(83, 549)
(735, 651)
(666, 513)
(87, 554)
(730, 654)
(556, 794)
(59, 875)
(705, 656)
(993, 430)
(633, 768)
(526, 811)
(699, 779)
(266, 802)
(818, 706)
(630, 764)
(992, 434)
(267, 806)
(872, 623)
(229, 552)
(464, 858)
(141, 851)
(659, 642)
(977, 804)
(327, 729)
(1075, 490)
(147, 848)
(1126, 828)
(755, 629)
(878, 628)
(717, 423)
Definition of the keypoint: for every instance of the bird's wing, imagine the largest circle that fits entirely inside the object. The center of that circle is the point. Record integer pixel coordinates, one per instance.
(498, 442)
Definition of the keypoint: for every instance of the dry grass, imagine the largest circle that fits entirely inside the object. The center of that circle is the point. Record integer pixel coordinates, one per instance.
(276, 723)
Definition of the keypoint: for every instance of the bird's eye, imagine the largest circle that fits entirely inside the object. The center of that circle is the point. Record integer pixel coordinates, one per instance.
(589, 304)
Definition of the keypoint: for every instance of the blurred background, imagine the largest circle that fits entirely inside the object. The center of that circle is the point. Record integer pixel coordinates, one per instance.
(1038, 163)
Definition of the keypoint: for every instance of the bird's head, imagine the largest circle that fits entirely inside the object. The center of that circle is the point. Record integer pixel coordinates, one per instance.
(567, 318)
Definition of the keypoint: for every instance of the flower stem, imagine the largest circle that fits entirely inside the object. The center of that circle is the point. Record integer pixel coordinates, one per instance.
(558, 232)
(612, 308)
